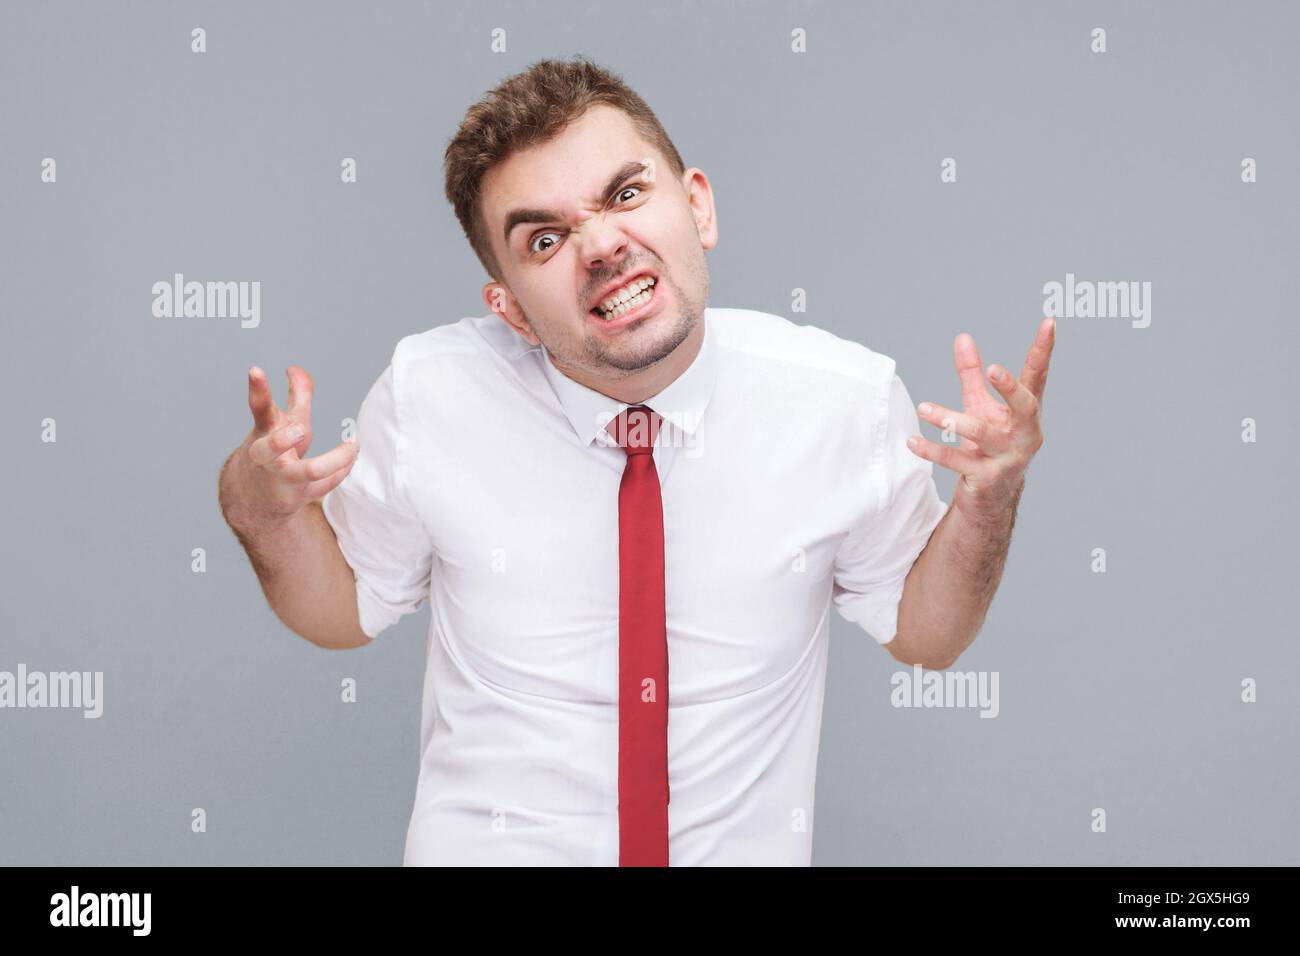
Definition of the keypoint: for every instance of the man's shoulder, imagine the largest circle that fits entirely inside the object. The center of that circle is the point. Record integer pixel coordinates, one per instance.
(465, 339)
(442, 365)
(772, 338)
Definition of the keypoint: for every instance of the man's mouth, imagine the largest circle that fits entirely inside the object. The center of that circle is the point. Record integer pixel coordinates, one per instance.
(625, 299)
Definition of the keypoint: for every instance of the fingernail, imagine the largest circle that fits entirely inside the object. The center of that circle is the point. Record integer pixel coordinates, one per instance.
(924, 408)
(295, 432)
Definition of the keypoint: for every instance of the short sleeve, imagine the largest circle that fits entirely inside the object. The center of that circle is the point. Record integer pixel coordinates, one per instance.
(381, 537)
(873, 560)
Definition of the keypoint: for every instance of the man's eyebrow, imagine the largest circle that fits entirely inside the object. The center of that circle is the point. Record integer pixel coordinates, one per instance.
(518, 217)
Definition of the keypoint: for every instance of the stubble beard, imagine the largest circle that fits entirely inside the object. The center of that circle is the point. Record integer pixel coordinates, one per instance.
(635, 348)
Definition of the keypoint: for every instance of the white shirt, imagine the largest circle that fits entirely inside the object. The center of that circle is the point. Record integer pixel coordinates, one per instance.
(487, 485)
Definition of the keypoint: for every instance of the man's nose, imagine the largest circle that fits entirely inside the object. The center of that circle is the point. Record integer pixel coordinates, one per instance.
(603, 243)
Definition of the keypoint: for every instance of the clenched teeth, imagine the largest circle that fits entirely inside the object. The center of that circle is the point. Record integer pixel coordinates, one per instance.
(632, 295)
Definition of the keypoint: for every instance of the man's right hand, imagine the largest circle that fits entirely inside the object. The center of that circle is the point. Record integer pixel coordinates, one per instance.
(269, 479)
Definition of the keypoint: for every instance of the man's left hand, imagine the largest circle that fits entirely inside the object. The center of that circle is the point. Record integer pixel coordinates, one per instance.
(997, 441)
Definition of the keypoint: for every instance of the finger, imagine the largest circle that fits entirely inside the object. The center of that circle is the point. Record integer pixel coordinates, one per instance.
(989, 439)
(1020, 400)
(321, 466)
(1034, 374)
(260, 402)
(956, 459)
(300, 392)
(270, 447)
(969, 370)
(318, 489)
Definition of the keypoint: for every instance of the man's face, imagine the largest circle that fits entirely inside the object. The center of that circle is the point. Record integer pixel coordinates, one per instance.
(586, 212)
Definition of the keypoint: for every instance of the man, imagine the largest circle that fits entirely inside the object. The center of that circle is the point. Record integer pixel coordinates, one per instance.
(630, 513)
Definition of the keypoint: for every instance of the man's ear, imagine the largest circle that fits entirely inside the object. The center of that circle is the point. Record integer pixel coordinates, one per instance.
(699, 193)
(504, 305)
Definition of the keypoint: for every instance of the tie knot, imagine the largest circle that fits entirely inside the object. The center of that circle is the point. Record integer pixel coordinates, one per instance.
(635, 429)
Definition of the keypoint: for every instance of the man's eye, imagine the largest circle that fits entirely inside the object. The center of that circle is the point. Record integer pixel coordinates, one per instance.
(532, 246)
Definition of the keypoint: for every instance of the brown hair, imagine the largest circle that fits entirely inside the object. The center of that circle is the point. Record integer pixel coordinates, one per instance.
(528, 109)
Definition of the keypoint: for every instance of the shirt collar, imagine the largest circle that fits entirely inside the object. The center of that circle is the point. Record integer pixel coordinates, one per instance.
(681, 403)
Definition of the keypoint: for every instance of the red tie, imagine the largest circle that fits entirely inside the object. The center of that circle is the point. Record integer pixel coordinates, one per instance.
(642, 649)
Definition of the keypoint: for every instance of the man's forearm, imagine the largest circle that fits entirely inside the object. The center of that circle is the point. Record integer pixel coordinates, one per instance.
(303, 574)
(951, 585)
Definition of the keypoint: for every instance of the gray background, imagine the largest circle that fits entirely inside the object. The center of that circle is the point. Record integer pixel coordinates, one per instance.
(1118, 690)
